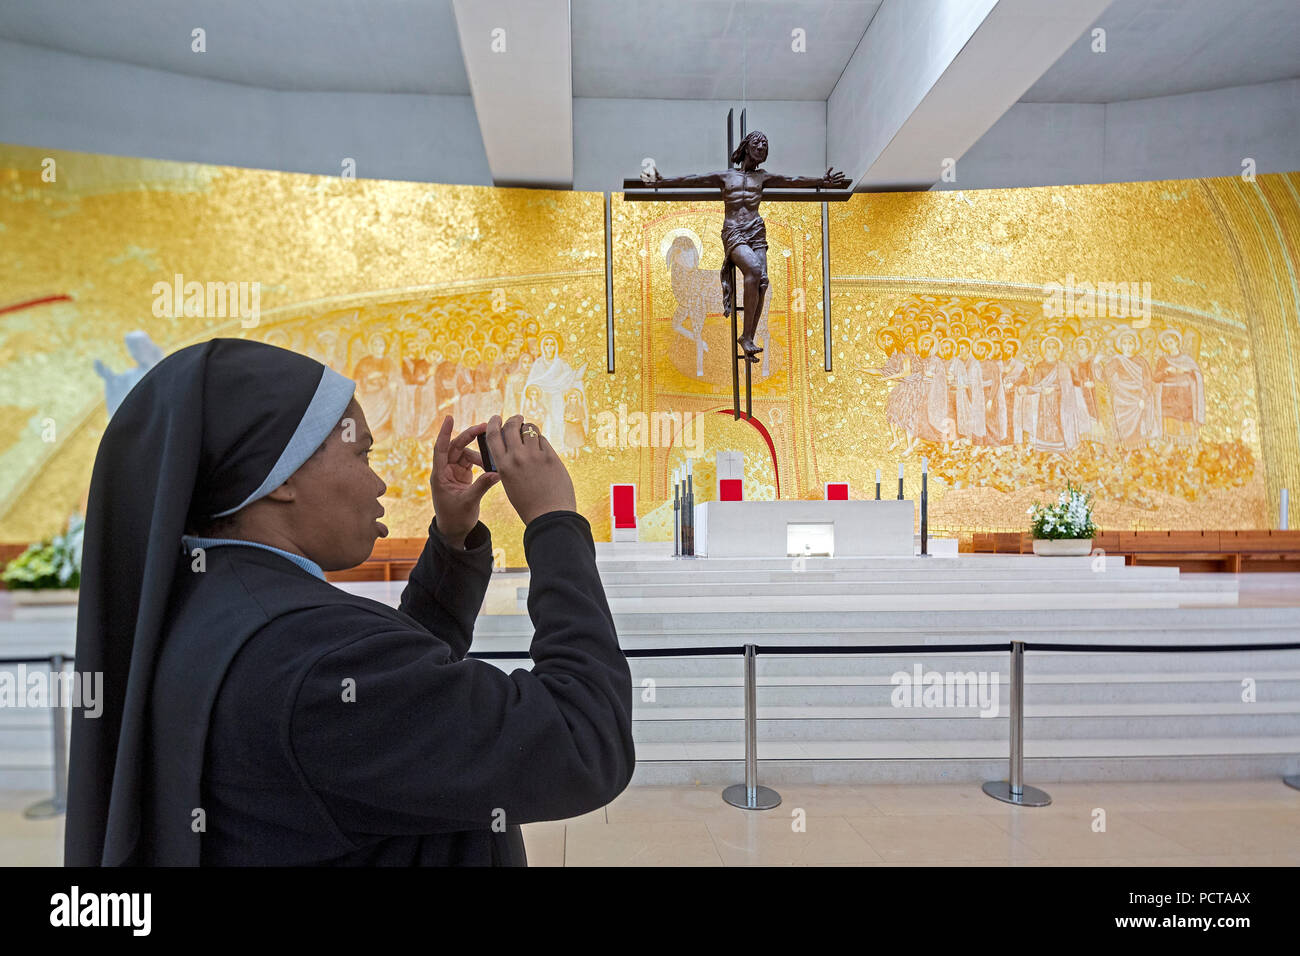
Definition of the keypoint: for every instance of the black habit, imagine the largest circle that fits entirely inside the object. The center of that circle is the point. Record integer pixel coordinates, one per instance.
(256, 714)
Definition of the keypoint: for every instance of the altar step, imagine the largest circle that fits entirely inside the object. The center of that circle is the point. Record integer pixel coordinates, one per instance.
(806, 723)
(970, 762)
(872, 584)
(1046, 693)
(916, 584)
(708, 625)
(828, 718)
(901, 569)
(770, 751)
(1000, 562)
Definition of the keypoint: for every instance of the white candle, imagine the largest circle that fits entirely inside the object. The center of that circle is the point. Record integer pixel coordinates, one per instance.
(925, 465)
(900, 469)
(877, 476)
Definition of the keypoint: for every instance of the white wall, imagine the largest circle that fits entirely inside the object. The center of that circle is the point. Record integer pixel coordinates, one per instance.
(65, 101)
(1168, 137)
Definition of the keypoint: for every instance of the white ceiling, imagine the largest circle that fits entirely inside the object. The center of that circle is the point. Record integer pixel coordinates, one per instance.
(1165, 47)
(363, 46)
(672, 49)
(714, 49)
(667, 49)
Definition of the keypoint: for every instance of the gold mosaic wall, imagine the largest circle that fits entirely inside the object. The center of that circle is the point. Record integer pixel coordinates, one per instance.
(1177, 408)
(472, 300)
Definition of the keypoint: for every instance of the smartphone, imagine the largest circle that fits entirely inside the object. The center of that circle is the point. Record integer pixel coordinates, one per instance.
(485, 454)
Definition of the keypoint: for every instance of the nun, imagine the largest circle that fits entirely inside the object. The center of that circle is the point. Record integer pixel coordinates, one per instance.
(254, 714)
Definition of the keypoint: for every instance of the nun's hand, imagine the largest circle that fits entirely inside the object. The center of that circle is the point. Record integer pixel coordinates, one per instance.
(534, 477)
(456, 494)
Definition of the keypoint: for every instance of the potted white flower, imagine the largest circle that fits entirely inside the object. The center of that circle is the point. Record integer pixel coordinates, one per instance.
(49, 571)
(1064, 528)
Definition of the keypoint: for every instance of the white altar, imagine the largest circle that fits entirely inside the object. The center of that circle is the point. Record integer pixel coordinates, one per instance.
(841, 529)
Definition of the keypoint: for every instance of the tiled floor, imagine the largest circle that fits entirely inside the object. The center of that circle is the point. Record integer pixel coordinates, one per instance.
(1222, 823)
(1247, 823)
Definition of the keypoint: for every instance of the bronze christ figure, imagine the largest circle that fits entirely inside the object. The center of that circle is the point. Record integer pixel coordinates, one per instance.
(744, 235)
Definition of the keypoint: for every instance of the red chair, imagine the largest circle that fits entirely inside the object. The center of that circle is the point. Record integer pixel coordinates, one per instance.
(837, 491)
(622, 511)
(731, 489)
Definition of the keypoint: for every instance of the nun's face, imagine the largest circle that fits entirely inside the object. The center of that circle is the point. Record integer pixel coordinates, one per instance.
(335, 506)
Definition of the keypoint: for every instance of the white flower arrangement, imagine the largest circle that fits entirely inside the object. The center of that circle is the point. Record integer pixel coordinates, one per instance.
(1070, 517)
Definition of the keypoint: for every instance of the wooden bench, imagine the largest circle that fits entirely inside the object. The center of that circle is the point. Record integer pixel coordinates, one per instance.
(1231, 551)
(391, 560)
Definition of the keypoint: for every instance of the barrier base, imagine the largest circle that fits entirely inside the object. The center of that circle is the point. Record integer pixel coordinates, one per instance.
(765, 798)
(1028, 797)
(45, 809)
(1292, 781)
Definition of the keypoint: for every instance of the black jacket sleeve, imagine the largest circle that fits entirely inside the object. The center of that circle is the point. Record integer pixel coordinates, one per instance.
(446, 587)
(427, 744)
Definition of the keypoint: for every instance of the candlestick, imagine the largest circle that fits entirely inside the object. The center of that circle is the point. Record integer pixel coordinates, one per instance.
(925, 534)
(677, 514)
(688, 512)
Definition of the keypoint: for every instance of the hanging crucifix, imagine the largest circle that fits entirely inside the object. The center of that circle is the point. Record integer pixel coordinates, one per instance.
(744, 235)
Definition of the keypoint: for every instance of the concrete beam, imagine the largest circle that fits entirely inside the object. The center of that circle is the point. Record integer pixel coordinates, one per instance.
(518, 56)
(930, 77)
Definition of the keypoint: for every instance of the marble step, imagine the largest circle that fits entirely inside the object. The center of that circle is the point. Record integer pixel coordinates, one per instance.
(926, 623)
(660, 724)
(1039, 665)
(969, 762)
(966, 749)
(929, 564)
(877, 690)
(1058, 601)
(1042, 773)
(1062, 589)
(1149, 573)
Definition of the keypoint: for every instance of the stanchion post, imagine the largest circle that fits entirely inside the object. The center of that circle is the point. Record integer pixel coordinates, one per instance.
(749, 795)
(1014, 790)
(58, 710)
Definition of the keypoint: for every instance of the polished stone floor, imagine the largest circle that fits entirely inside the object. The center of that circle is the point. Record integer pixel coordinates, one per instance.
(1215, 823)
